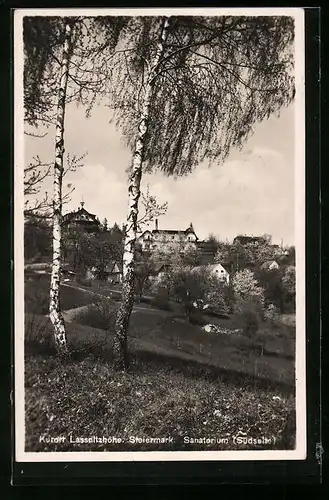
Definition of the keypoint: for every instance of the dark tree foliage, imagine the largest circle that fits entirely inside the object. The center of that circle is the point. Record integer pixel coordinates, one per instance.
(37, 239)
(217, 78)
(43, 38)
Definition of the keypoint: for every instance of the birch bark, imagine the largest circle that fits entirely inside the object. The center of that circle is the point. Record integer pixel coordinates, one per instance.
(54, 305)
(128, 284)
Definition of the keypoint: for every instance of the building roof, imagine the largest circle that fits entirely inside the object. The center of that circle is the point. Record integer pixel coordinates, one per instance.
(113, 267)
(213, 266)
(210, 267)
(81, 215)
(245, 239)
(170, 232)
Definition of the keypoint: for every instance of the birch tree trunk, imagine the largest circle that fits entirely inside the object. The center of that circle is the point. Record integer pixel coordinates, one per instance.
(54, 305)
(128, 283)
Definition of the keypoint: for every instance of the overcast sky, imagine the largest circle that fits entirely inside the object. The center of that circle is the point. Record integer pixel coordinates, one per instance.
(251, 193)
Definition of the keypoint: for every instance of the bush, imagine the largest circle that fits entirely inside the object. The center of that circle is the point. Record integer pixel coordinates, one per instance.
(161, 299)
(101, 314)
(270, 313)
(249, 314)
(196, 318)
(247, 290)
(250, 322)
(36, 301)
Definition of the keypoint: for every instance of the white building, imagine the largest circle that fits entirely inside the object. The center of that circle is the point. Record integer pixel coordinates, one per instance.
(153, 239)
(270, 265)
(220, 272)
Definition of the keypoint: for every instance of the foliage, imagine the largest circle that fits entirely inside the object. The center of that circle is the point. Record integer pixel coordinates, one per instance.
(84, 250)
(218, 295)
(240, 256)
(36, 299)
(177, 254)
(144, 269)
(279, 288)
(249, 315)
(100, 314)
(289, 280)
(217, 77)
(37, 238)
(271, 281)
(161, 298)
(37, 202)
(89, 73)
(290, 257)
(104, 225)
(151, 209)
(43, 38)
(248, 300)
(214, 242)
(195, 289)
(247, 289)
(289, 287)
(270, 313)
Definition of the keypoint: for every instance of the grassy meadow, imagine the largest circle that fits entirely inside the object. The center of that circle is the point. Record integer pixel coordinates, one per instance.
(182, 380)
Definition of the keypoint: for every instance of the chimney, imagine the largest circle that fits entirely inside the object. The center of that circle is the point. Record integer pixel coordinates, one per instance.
(156, 224)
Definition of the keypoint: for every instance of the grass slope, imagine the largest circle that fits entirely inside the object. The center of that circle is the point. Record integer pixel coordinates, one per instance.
(167, 392)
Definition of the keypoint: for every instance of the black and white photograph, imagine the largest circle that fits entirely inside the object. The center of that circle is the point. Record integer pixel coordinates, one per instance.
(159, 234)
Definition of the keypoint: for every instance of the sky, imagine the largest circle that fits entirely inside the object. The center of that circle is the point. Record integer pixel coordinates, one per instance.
(251, 193)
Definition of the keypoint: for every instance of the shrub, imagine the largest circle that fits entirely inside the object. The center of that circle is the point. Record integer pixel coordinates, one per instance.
(250, 323)
(36, 301)
(196, 317)
(161, 299)
(270, 313)
(217, 296)
(39, 334)
(249, 315)
(247, 289)
(101, 314)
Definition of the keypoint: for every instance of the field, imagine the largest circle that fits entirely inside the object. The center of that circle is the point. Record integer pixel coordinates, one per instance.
(182, 382)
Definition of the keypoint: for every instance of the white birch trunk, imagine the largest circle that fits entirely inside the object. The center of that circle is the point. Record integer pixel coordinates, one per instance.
(128, 284)
(54, 305)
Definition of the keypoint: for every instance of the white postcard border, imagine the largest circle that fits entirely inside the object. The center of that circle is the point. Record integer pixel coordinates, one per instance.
(297, 454)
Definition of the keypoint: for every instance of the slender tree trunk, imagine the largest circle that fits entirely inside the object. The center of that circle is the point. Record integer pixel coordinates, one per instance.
(128, 284)
(54, 305)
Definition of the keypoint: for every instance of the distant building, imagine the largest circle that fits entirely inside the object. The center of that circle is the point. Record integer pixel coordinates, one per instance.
(270, 265)
(83, 219)
(247, 240)
(111, 273)
(220, 272)
(217, 270)
(156, 238)
(281, 251)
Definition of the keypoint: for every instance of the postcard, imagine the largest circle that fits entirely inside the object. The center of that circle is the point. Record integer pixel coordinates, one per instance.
(159, 235)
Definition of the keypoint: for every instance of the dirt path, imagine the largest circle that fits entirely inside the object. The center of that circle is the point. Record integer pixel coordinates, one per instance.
(70, 314)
